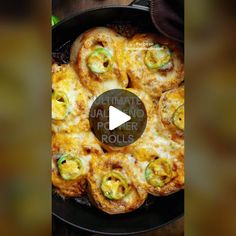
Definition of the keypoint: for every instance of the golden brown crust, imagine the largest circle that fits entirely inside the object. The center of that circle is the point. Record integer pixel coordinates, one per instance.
(65, 79)
(176, 183)
(68, 188)
(152, 81)
(83, 146)
(83, 143)
(168, 104)
(86, 44)
(119, 162)
(152, 145)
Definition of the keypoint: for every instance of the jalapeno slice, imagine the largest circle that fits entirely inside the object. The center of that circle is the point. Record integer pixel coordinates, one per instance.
(70, 167)
(100, 60)
(158, 172)
(114, 186)
(60, 105)
(158, 57)
(54, 20)
(178, 117)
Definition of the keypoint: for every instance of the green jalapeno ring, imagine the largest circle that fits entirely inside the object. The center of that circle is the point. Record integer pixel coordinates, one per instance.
(158, 172)
(154, 61)
(62, 159)
(100, 60)
(114, 186)
(60, 103)
(69, 167)
(178, 117)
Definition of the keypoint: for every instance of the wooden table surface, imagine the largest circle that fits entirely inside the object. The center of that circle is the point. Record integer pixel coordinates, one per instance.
(62, 9)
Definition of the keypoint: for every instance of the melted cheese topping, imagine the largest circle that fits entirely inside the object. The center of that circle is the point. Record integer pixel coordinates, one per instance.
(65, 80)
(85, 45)
(169, 103)
(152, 81)
(123, 164)
(156, 144)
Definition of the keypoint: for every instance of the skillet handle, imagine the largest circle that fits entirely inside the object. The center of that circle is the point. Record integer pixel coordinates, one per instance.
(143, 4)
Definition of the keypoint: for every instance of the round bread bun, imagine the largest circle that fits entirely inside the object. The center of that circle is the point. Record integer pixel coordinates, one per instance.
(170, 105)
(67, 188)
(82, 146)
(154, 77)
(154, 147)
(122, 164)
(174, 184)
(99, 58)
(69, 101)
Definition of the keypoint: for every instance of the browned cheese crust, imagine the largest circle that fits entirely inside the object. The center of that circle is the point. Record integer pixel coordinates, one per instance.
(68, 188)
(121, 163)
(82, 48)
(65, 80)
(168, 104)
(83, 145)
(153, 81)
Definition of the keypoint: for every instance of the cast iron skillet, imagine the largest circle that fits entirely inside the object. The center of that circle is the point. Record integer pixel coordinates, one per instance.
(157, 211)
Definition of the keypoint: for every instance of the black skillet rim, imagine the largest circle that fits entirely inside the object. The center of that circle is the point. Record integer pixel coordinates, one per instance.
(130, 233)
